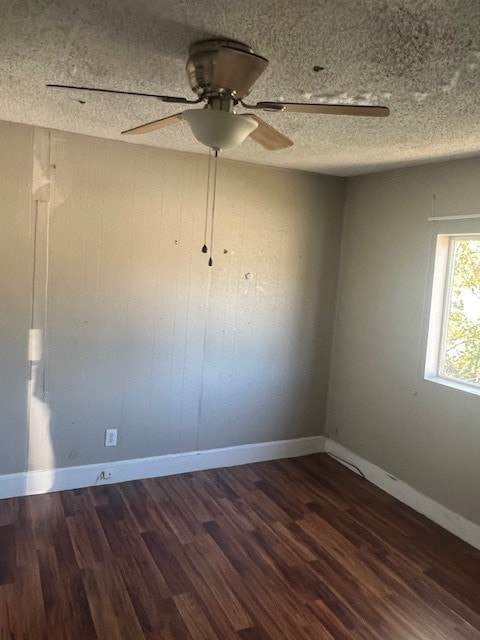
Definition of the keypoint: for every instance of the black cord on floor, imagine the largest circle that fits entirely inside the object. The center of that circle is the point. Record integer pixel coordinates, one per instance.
(349, 464)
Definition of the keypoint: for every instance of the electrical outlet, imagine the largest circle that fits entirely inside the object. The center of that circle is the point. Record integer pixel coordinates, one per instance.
(111, 437)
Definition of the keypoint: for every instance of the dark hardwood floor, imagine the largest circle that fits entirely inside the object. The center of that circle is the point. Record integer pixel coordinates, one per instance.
(300, 549)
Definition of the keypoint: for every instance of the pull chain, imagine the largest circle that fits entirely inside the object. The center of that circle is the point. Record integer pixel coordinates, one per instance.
(210, 262)
(205, 248)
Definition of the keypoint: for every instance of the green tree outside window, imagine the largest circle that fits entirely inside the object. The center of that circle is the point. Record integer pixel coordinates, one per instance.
(462, 344)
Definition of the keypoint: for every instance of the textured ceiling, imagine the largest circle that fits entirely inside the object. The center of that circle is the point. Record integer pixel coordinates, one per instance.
(419, 57)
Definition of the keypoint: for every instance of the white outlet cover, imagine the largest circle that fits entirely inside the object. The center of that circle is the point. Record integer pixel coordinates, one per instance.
(111, 437)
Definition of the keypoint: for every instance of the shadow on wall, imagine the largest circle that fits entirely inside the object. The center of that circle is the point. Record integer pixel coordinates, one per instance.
(270, 311)
(318, 254)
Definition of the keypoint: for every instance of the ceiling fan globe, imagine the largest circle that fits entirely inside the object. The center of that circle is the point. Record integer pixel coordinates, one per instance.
(219, 129)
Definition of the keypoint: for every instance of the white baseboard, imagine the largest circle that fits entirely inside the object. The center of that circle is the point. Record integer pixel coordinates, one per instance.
(449, 520)
(45, 481)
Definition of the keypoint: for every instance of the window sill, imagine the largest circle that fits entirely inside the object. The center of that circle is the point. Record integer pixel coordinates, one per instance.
(454, 384)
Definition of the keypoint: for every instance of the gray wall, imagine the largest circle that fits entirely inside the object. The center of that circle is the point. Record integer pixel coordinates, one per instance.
(15, 290)
(140, 333)
(379, 404)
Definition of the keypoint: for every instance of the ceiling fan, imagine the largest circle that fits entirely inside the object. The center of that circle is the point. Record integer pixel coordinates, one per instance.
(222, 73)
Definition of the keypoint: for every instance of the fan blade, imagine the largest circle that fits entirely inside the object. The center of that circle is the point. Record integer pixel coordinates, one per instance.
(155, 124)
(236, 70)
(327, 109)
(268, 136)
(175, 99)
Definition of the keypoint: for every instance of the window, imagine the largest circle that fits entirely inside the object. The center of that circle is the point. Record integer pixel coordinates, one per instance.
(453, 352)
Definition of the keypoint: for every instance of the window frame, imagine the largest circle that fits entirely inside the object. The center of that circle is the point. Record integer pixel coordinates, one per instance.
(443, 273)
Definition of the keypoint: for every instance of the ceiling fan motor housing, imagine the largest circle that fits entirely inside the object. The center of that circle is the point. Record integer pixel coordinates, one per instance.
(223, 68)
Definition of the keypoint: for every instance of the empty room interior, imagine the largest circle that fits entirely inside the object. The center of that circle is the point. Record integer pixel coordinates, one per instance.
(240, 320)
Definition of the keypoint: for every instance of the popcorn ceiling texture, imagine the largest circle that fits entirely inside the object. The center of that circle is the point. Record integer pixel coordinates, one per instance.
(420, 58)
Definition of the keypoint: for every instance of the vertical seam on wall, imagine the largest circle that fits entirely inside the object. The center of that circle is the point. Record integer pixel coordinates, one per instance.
(200, 397)
(34, 264)
(129, 291)
(51, 173)
(424, 319)
(337, 303)
(33, 222)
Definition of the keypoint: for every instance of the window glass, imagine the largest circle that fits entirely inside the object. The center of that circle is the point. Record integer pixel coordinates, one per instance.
(460, 349)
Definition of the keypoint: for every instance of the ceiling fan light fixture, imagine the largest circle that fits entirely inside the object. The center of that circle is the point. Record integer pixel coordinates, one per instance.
(222, 73)
(219, 129)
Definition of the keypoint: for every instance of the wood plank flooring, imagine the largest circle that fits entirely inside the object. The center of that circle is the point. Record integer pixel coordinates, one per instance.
(299, 549)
